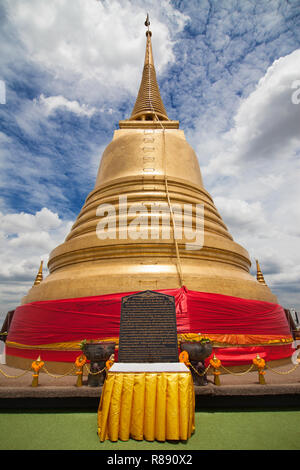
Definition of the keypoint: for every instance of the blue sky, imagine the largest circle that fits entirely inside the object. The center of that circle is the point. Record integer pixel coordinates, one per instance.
(226, 71)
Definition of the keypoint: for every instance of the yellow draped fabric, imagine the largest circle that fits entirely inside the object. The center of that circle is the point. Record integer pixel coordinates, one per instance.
(222, 340)
(147, 405)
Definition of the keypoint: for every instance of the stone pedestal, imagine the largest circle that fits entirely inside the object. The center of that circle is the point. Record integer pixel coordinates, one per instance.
(197, 352)
(98, 354)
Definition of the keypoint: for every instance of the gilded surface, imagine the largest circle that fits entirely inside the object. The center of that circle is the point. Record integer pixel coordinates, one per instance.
(150, 163)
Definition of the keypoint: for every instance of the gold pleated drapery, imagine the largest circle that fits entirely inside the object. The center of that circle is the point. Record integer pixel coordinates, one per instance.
(147, 405)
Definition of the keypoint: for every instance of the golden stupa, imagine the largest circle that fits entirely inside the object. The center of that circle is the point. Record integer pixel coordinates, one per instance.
(147, 165)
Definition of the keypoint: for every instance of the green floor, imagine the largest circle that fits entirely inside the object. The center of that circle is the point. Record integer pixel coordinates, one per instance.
(220, 430)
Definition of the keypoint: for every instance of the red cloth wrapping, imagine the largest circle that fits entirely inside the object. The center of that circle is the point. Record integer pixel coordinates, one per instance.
(98, 317)
(238, 356)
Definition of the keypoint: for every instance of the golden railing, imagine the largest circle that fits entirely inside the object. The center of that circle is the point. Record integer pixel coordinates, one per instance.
(215, 364)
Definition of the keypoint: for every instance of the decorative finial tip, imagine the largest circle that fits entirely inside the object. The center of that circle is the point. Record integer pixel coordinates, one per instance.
(147, 23)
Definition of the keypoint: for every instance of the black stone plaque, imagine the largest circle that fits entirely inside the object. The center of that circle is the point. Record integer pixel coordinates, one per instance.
(148, 330)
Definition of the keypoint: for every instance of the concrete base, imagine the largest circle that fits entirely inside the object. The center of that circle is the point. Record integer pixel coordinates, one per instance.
(282, 389)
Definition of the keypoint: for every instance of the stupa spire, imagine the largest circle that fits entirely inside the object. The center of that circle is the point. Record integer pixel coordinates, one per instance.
(149, 105)
(259, 274)
(39, 276)
(149, 54)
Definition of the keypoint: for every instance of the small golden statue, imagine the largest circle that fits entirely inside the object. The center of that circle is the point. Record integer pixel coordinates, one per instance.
(110, 362)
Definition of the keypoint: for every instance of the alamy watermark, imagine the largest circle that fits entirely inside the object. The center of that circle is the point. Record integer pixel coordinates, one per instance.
(2, 92)
(295, 356)
(295, 98)
(155, 221)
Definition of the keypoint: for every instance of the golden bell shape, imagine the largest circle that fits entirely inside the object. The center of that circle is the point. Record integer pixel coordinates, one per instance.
(147, 170)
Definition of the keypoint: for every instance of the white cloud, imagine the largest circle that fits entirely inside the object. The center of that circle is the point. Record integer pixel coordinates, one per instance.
(93, 41)
(52, 103)
(240, 214)
(253, 173)
(26, 239)
(266, 125)
(29, 223)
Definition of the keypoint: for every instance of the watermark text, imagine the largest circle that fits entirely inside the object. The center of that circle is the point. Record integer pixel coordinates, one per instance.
(155, 221)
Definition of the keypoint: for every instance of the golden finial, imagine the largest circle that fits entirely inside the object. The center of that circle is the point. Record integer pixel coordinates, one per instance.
(39, 276)
(147, 22)
(259, 274)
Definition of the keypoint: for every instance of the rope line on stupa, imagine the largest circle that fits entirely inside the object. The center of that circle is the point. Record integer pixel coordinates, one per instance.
(179, 266)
